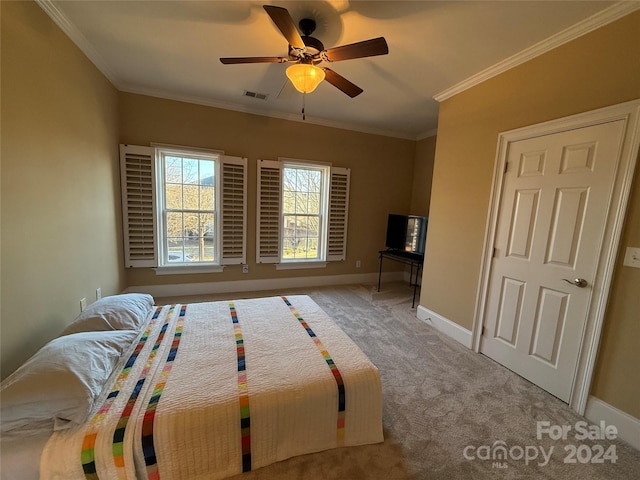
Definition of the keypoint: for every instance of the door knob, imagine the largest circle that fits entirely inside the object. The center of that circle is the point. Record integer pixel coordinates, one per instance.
(578, 282)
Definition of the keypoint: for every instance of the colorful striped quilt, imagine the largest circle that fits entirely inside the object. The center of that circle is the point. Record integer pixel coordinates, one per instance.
(211, 390)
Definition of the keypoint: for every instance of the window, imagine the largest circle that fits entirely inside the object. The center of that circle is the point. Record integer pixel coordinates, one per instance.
(184, 209)
(304, 212)
(188, 189)
(301, 213)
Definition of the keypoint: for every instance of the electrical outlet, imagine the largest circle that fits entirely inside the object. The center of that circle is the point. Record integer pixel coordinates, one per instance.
(245, 268)
(632, 257)
(98, 293)
(358, 264)
(83, 304)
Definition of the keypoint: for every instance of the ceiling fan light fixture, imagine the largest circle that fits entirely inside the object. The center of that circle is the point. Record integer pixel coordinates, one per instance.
(305, 77)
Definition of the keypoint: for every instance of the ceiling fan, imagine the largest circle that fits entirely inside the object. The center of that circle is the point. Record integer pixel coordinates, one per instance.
(307, 51)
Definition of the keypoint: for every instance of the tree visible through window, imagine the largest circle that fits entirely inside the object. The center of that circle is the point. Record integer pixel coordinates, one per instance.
(189, 213)
(302, 208)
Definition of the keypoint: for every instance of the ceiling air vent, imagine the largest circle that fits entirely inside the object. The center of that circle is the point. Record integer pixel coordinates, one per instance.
(259, 96)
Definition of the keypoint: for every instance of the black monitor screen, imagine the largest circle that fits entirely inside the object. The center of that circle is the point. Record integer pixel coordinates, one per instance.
(406, 233)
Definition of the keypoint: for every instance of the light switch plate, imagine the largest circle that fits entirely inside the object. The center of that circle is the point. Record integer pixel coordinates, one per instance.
(632, 257)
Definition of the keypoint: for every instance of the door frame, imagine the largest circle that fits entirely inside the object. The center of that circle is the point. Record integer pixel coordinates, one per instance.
(630, 113)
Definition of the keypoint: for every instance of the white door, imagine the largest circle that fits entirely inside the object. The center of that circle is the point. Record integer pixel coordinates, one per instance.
(555, 198)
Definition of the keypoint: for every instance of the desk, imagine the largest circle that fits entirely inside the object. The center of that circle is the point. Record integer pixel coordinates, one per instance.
(413, 259)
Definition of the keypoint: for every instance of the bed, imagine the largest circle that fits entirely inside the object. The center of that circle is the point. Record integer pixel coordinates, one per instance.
(189, 391)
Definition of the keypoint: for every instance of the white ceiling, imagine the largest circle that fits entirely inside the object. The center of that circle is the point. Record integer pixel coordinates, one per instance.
(171, 49)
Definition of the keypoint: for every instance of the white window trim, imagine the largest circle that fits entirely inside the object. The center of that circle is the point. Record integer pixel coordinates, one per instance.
(163, 264)
(184, 148)
(184, 269)
(304, 163)
(298, 263)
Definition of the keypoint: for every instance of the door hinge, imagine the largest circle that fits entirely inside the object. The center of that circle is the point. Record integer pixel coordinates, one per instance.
(484, 331)
(495, 252)
(506, 167)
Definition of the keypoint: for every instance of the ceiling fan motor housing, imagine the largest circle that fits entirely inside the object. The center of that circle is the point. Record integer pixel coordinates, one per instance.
(314, 46)
(307, 26)
(311, 53)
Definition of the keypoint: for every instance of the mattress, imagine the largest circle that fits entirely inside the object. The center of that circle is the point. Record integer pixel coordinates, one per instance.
(214, 389)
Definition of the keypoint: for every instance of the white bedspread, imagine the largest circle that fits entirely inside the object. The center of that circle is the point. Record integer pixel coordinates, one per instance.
(20, 450)
(215, 389)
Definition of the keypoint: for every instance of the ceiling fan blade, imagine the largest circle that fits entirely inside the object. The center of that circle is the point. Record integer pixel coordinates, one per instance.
(367, 48)
(235, 60)
(342, 83)
(285, 24)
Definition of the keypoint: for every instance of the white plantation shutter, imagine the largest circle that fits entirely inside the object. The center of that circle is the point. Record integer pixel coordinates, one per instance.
(338, 214)
(137, 179)
(268, 212)
(234, 210)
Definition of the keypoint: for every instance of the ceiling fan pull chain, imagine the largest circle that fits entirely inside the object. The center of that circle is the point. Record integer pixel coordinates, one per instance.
(304, 96)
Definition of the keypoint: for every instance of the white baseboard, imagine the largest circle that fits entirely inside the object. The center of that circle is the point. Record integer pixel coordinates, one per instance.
(204, 288)
(628, 426)
(445, 326)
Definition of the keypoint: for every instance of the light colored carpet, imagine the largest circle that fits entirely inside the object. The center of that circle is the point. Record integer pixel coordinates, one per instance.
(439, 399)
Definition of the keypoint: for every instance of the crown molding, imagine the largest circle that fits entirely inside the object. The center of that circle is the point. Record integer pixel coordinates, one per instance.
(600, 19)
(78, 38)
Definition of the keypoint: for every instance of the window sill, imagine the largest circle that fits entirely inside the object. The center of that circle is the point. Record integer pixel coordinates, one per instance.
(187, 269)
(300, 265)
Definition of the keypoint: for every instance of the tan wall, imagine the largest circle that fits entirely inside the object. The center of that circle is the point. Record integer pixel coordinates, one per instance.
(60, 221)
(422, 176)
(618, 356)
(596, 70)
(374, 191)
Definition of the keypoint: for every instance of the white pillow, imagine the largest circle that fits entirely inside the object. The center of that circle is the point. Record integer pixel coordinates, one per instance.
(63, 379)
(118, 312)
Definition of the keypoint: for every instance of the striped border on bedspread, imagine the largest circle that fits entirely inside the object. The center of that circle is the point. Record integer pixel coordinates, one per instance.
(87, 454)
(243, 392)
(118, 435)
(147, 423)
(334, 370)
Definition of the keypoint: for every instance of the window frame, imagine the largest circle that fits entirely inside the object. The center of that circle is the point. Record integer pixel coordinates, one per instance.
(164, 266)
(325, 180)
